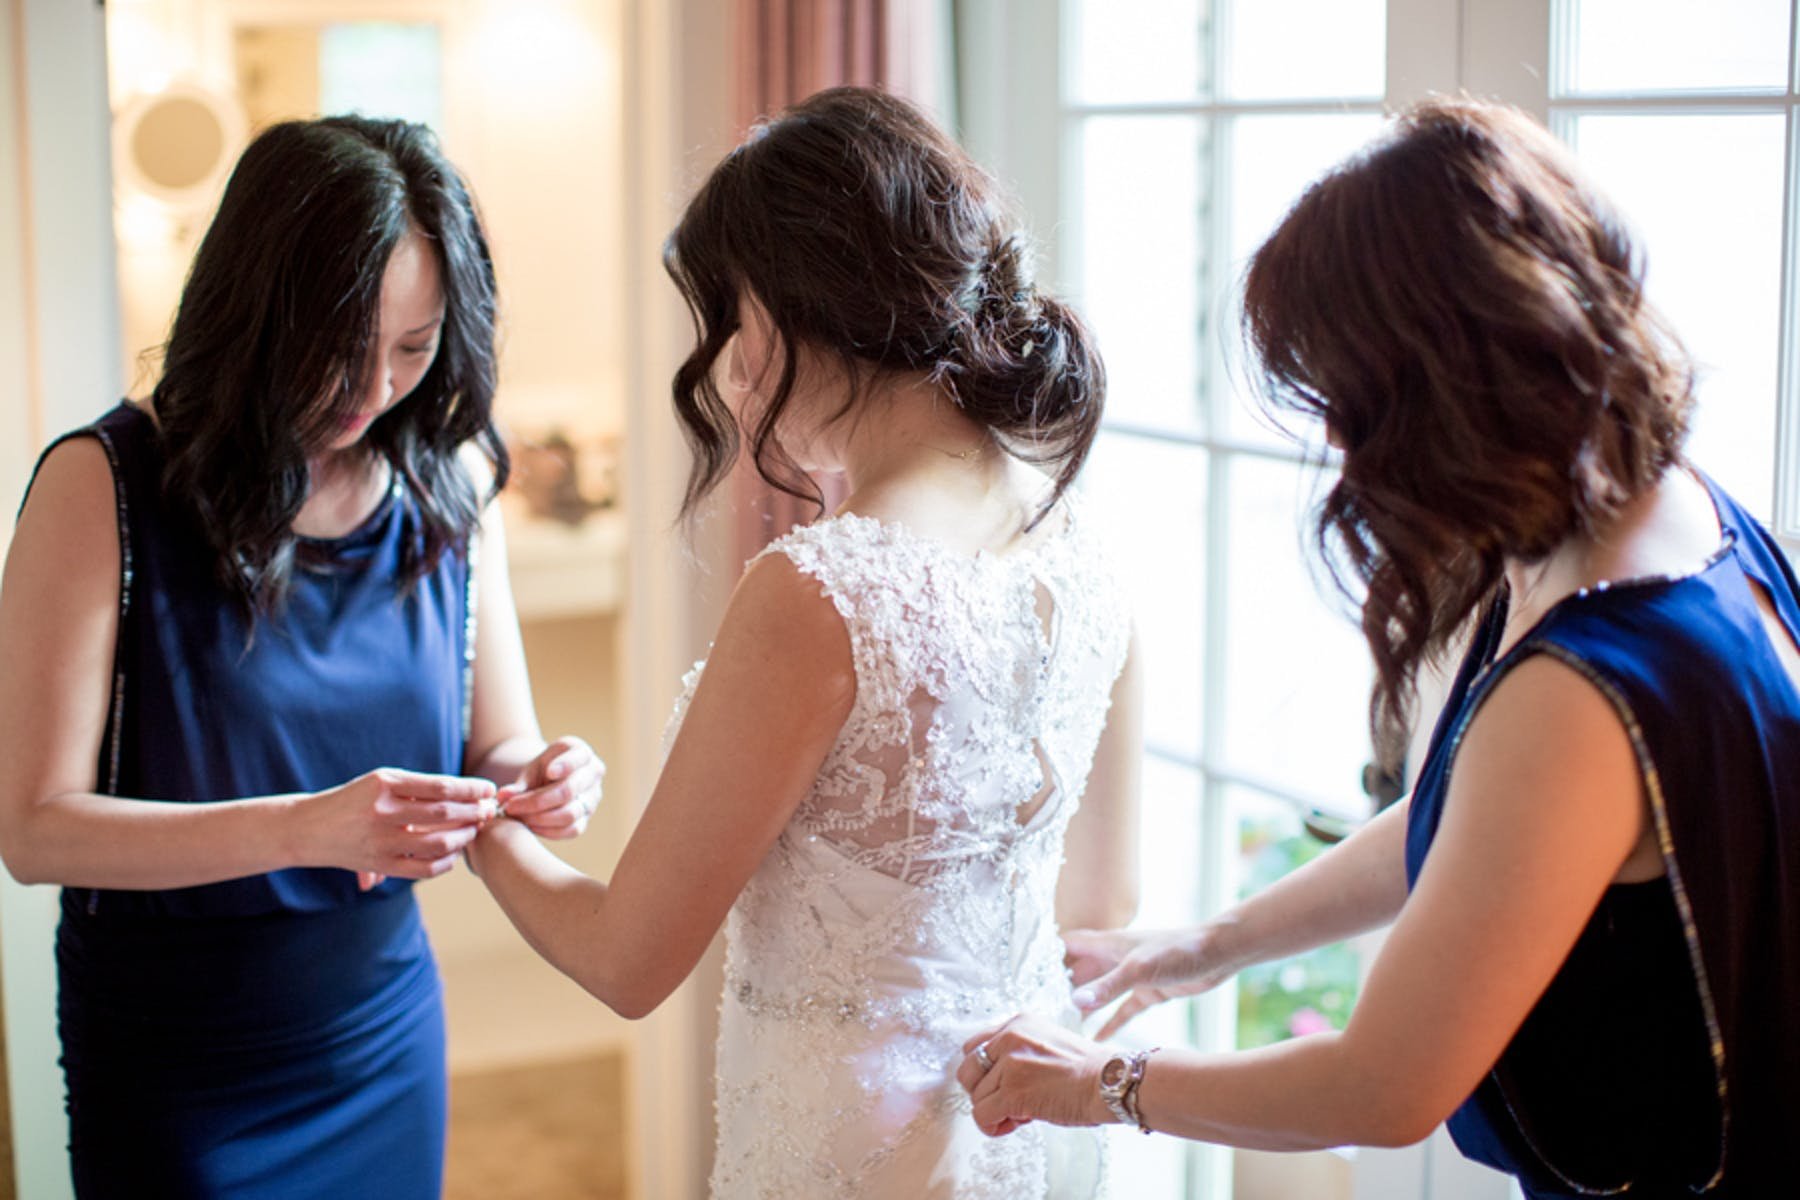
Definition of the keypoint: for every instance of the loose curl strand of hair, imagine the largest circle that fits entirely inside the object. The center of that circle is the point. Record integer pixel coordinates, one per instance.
(866, 233)
(275, 328)
(1466, 316)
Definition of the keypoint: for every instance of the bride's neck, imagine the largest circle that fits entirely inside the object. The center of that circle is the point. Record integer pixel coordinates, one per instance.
(913, 428)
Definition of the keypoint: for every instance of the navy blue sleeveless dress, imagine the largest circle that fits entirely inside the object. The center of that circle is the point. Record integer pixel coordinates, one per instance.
(278, 1036)
(1663, 1060)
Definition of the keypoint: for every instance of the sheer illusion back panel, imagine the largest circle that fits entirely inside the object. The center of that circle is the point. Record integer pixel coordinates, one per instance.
(966, 718)
(911, 897)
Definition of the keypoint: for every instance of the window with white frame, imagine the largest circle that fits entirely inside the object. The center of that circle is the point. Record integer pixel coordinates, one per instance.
(1187, 131)
(1182, 131)
(1683, 112)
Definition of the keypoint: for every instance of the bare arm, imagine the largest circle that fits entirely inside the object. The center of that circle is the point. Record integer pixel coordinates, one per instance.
(1099, 882)
(553, 787)
(59, 605)
(777, 689)
(1545, 805)
(1353, 887)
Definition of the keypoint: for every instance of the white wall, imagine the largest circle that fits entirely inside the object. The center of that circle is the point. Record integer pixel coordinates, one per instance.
(678, 119)
(58, 324)
(531, 115)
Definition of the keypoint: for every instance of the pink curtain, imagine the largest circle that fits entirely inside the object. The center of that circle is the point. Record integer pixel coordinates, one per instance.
(786, 51)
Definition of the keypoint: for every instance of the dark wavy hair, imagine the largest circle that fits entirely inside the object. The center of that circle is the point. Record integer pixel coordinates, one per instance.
(275, 327)
(868, 234)
(1466, 314)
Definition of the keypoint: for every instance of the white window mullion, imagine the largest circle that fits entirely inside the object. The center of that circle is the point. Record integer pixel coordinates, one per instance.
(1786, 518)
(1215, 1014)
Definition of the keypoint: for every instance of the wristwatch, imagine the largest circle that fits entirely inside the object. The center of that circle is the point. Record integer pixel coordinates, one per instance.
(1119, 1079)
(1115, 1074)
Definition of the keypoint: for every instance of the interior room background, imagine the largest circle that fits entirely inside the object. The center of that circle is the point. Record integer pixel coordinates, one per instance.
(1152, 144)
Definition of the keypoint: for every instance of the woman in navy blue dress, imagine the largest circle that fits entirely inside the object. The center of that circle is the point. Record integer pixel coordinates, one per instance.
(260, 671)
(1594, 966)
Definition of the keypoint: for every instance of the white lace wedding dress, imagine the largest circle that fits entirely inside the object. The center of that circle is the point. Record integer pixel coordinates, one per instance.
(911, 898)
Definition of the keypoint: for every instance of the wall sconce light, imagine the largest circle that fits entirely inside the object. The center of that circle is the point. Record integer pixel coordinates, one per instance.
(172, 150)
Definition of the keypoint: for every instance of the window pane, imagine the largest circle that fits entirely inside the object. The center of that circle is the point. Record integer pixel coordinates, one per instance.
(1155, 54)
(1141, 265)
(1272, 161)
(1148, 500)
(1293, 996)
(1301, 49)
(1168, 848)
(1703, 195)
(1678, 45)
(1297, 672)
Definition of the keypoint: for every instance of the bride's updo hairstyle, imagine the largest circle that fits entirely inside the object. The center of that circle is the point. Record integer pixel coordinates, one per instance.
(1466, 314)
(870, 236)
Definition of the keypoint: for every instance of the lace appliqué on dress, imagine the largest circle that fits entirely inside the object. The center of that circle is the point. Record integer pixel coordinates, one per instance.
(911, 898)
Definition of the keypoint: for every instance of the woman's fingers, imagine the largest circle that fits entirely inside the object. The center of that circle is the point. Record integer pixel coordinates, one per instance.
(560, 760)
(439, 843)
(1102, 990)
(402, 867)
(988, 1034)
(991, 1116)
(563, 757)
(1039, 1070)
(992, 1100)
(534, 801)
(405, 854)
(443, 814)
(1134, 1004)
(559, 809)
(417, 785)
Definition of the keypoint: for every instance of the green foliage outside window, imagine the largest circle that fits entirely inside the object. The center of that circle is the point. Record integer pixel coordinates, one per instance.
(1294, 996)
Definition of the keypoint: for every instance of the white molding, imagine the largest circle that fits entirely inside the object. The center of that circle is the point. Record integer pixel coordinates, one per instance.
(60, 285)
(678, 118)
(1785, 520)
(58, 204)
(68, 154)
(1505, 52)
(1009, 83)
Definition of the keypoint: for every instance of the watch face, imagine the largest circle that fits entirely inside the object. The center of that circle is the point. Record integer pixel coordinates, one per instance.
(1113, 1073)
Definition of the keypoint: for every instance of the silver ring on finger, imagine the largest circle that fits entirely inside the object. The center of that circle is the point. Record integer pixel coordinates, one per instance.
(984, 1058)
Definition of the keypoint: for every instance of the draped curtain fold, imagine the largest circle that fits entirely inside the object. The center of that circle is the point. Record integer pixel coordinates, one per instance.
(786, 51)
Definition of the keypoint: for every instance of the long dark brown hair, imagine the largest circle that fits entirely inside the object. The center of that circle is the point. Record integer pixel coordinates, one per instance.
(1466, 314)
(275, 324)
(868, 234)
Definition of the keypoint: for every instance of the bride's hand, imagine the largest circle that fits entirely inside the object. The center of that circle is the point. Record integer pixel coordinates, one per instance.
(1147, 967)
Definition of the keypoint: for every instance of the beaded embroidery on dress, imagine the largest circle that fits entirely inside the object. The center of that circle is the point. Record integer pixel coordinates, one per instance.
(911, 899)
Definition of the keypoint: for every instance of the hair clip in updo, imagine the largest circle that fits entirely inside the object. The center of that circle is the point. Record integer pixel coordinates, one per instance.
(1025, 350)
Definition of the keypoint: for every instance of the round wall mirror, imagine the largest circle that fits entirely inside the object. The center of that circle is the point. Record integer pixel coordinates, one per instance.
(177, 144)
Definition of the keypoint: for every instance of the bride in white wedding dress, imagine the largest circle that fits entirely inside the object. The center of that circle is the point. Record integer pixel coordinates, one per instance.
(913, 747)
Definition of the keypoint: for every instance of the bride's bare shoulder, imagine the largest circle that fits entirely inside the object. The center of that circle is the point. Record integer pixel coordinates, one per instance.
(993, 519)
